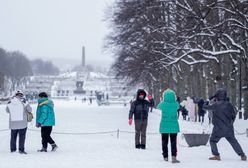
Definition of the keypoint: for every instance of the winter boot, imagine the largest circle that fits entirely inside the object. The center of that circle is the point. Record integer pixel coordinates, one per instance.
(215, 158)
(174, 160)
(42, 150)
(23, 152)
(142, 146)
(166, 159)
(137, 146)
(244, 158)
(54, 147)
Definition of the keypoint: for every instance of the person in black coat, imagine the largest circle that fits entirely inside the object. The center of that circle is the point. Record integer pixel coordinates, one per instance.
(223, 118)
(201, 111)
(140, 109)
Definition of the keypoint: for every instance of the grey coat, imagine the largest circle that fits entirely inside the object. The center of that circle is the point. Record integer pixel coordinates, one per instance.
(25, 109)
(223, 115)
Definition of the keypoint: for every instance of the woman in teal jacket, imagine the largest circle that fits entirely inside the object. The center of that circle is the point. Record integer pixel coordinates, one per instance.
(45, 119)
(169, 126)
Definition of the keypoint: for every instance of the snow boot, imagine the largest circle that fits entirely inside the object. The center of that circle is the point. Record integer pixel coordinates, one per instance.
(42, 150)
(142, 146)
(166, 159)
(23, 152)
(54, 147)
(244, 158)
(137, 146)
(174, 160)
(215, 158)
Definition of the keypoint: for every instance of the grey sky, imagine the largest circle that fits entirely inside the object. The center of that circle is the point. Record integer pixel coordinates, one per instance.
(55, 29)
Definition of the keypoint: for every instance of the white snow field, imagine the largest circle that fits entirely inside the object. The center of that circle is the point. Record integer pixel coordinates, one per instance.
(106, 150)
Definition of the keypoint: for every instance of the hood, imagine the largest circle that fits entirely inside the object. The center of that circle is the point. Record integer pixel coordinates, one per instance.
(221, 94)
(45, 101)
(169, 96)
(140, 91)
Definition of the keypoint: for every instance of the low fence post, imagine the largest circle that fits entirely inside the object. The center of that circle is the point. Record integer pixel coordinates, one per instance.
(247, 132)
(118, 134)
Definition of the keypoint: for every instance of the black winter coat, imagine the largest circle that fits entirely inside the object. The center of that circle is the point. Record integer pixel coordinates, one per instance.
(140, 108)
(201, 111)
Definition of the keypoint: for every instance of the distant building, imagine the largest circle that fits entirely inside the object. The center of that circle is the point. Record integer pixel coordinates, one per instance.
(40, 84)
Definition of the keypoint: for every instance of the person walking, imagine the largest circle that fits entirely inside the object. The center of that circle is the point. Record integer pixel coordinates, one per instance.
(151, 100)
(210, 112)
(18, 109)
(169, 126)
(180, 107)
(201, 111)
(45, 118)
(184, 110)
(223, 118)
(191, 108)
(140, 109)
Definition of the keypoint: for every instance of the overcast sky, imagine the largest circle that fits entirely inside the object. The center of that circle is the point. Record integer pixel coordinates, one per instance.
(55, 29)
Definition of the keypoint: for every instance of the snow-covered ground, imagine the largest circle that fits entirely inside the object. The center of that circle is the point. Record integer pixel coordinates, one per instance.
(106, 150)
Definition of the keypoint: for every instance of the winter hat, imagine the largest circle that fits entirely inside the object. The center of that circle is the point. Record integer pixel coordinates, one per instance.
(19, 93)
(149, 97)
(43, 95)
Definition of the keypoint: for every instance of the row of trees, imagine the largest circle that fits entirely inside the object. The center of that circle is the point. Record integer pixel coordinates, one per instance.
(193, 47)
(15, 66)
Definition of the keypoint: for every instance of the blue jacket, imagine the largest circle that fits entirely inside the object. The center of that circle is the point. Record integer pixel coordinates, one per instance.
(45, 113)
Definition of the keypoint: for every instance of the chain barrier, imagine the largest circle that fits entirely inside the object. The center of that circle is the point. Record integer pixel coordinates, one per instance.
(4, 130)
(239, 133)
(78, 133)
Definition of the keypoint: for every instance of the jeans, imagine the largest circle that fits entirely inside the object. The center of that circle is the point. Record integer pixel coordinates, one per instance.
(230, 138)
(22, 137)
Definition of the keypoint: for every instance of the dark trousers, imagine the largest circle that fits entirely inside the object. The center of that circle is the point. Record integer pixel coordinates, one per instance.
(165, 140)
(230, 138)
(140, 132)
(46, 136)
(22, 137)
(209, 120)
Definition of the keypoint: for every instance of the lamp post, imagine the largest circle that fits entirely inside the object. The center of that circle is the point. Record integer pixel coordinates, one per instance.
(240, 88)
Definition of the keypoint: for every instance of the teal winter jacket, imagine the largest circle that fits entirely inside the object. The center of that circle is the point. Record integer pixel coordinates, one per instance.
(45, 113)
(169, 106)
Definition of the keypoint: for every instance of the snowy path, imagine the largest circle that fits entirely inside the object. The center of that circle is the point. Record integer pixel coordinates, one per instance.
(94, 151)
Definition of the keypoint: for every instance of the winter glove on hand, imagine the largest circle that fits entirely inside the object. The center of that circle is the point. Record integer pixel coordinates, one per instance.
(130, 121)
(150, 97)
(38, 125)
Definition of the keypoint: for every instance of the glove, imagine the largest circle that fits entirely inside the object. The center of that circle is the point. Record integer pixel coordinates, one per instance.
(130, 121)
(150, 97)
(38, 125)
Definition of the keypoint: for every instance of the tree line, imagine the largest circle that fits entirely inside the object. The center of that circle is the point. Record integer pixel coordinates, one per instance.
(15, 66)
(193, 47)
